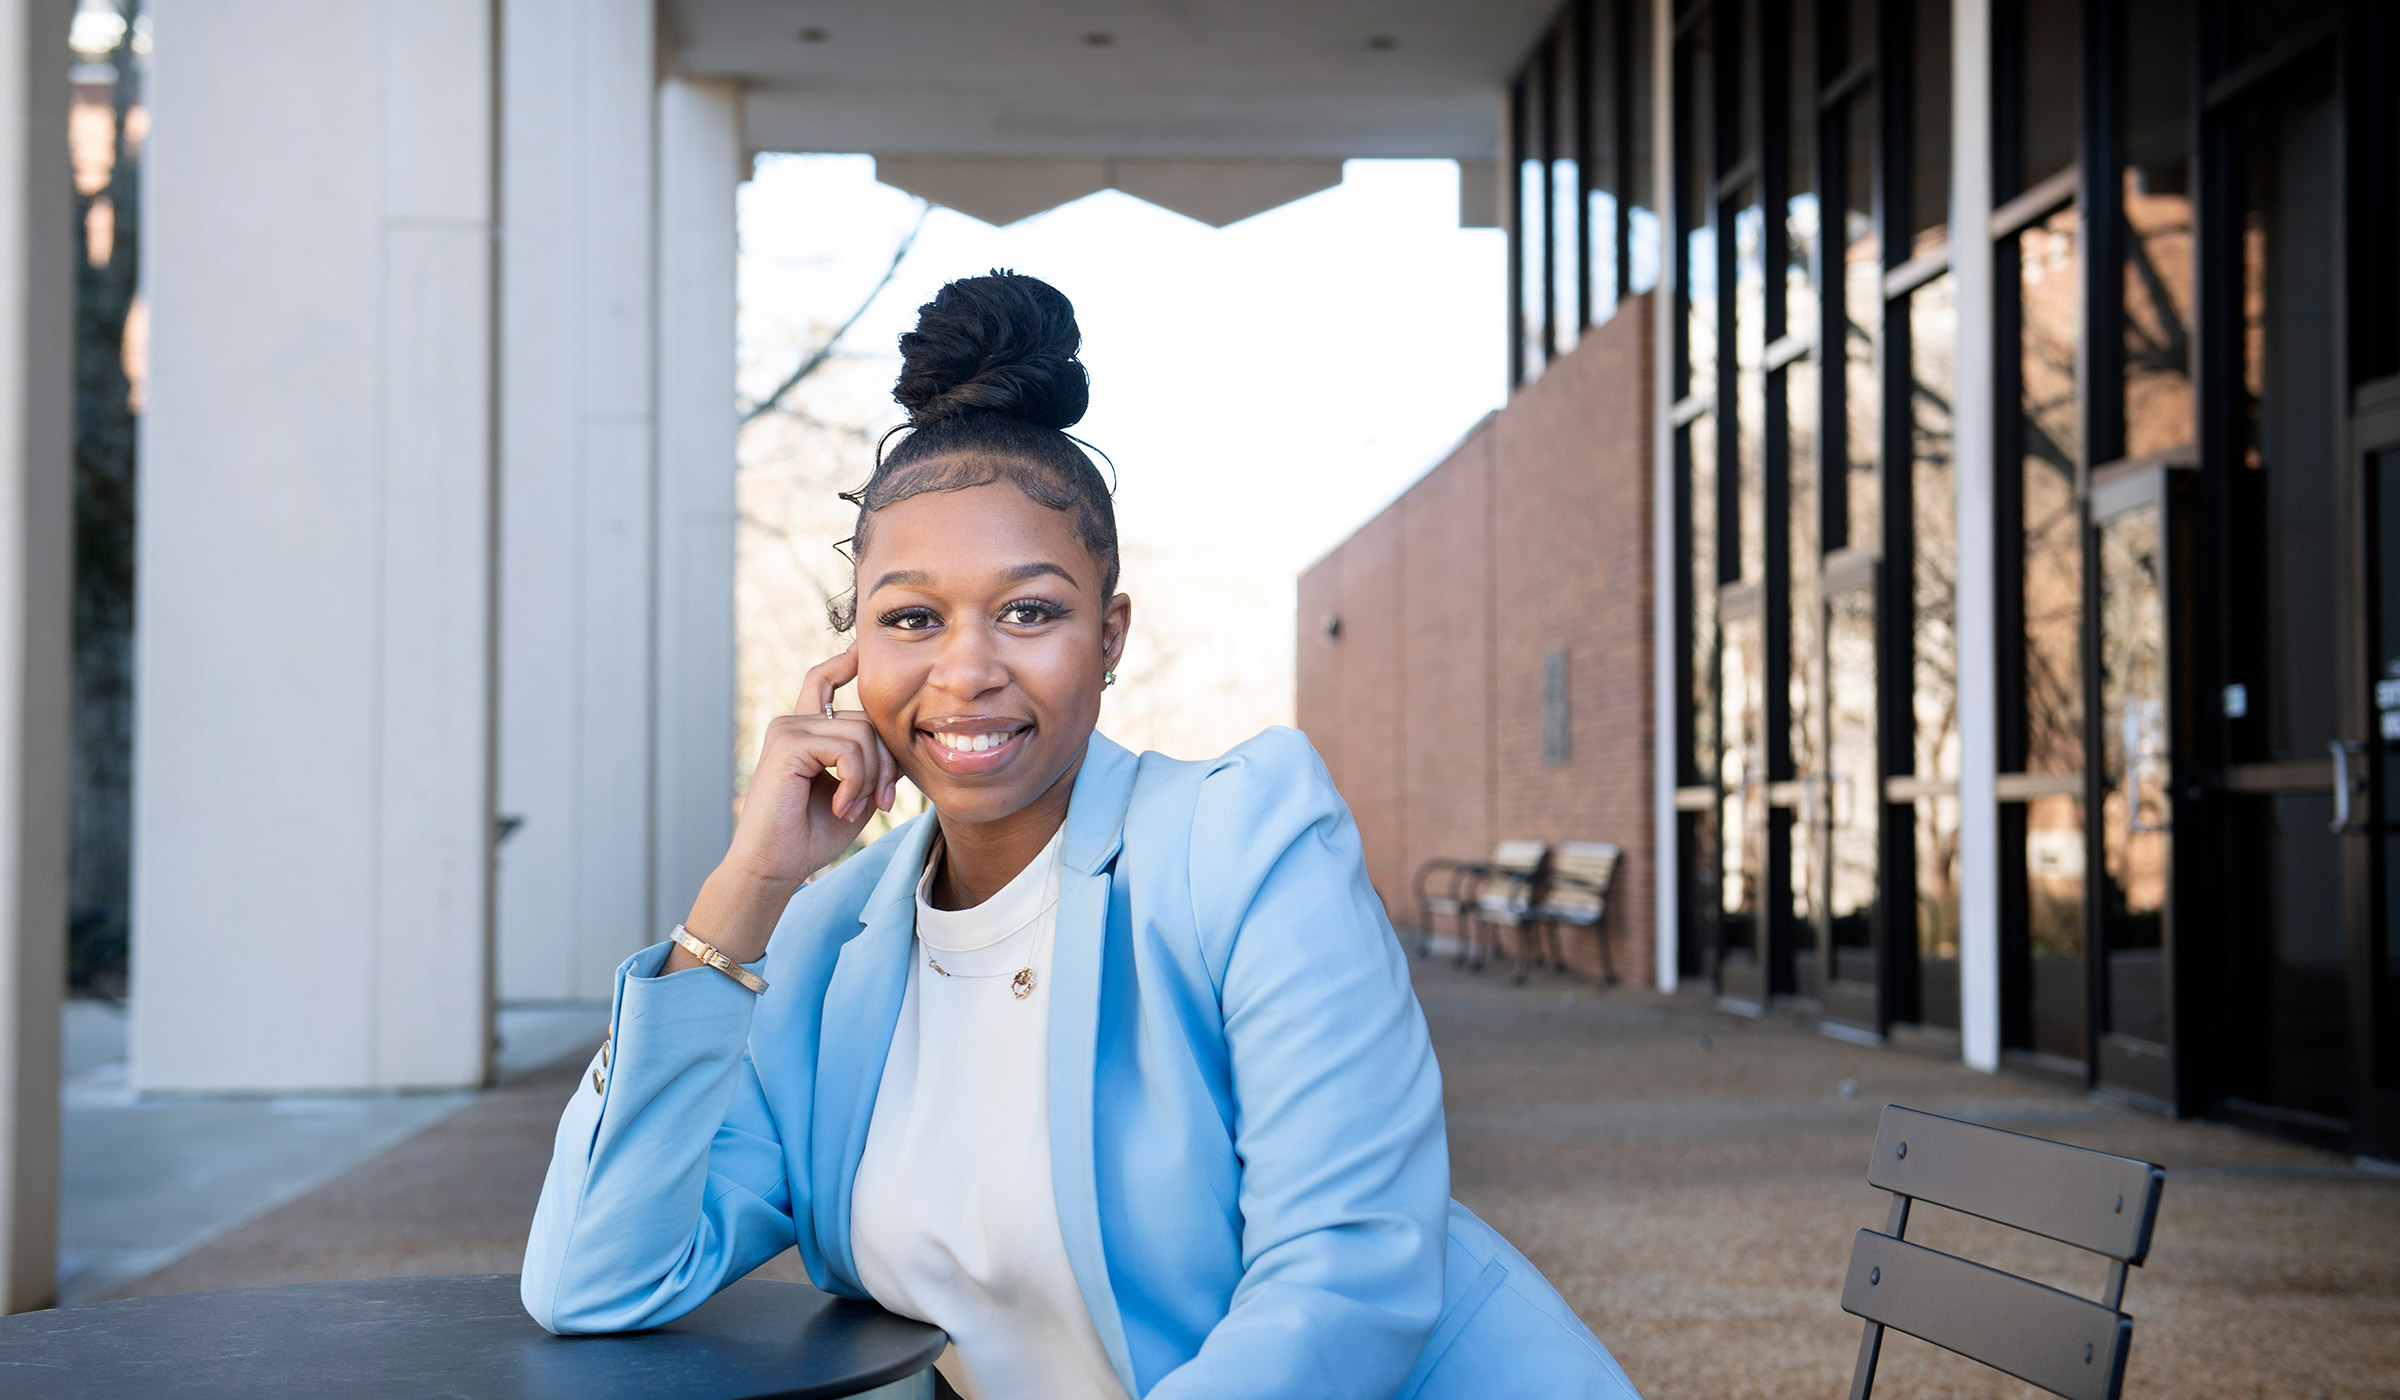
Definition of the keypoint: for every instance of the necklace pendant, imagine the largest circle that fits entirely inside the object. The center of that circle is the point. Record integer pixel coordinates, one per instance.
(1022, 983)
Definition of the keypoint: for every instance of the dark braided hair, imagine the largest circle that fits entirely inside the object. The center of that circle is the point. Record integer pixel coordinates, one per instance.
(991, 383)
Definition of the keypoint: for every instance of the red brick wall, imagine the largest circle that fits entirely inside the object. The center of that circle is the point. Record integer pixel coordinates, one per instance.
(1534, 534)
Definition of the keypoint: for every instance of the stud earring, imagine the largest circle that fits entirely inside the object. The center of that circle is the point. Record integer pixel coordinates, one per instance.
(1107, 679)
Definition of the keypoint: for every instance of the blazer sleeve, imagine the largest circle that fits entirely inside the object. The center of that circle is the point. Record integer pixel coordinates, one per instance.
(1337, 1100)
(667, 1180)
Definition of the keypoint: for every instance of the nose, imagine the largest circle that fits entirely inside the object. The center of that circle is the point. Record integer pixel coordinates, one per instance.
(968, 665)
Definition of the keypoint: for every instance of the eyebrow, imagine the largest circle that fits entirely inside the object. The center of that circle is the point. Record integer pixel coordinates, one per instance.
(918, 578)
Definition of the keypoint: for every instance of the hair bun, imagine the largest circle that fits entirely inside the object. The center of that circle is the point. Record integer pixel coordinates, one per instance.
(1005, 343)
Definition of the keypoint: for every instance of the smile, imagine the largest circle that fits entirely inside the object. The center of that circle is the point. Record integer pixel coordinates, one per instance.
(970, 748)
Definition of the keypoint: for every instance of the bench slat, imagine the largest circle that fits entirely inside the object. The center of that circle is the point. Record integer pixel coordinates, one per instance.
(2067, 1345)
(2092, 1200)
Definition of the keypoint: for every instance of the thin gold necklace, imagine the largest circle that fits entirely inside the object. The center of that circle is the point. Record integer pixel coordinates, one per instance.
(1020, 983)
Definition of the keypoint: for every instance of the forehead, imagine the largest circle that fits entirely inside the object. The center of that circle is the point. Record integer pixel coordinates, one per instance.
(971, 535)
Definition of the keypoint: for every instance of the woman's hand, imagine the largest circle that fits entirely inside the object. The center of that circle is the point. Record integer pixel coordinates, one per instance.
(820, 776)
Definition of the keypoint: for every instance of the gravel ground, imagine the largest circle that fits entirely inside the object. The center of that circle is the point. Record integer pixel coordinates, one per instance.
(1689, 1179)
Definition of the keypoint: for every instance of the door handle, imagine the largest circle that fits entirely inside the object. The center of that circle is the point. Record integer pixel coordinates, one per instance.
(2349, 774)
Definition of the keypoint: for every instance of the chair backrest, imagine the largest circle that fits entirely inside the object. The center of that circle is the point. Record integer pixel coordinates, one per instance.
(1580, 874)
(1511, 875)
(2067, 1345)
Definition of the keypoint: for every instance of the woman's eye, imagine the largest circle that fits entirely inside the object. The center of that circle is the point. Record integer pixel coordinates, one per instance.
(1028, 614)
(908, 620)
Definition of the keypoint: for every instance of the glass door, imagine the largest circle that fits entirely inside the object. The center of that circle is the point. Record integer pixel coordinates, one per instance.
(2376, 431)
(2133, 850)
(1742, 797)
(1852, 794)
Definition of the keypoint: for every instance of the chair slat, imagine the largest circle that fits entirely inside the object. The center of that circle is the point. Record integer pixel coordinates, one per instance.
(2089, 1199)
(1519, 857)
(2067, 1345)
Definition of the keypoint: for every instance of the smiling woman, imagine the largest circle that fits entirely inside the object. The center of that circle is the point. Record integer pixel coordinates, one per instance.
(1108, 1065)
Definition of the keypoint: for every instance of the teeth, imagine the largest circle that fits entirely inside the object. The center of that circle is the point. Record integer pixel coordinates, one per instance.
(971, 743)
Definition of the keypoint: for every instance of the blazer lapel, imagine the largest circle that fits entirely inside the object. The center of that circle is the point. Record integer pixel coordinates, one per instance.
(862, 1005)
(1087, 858)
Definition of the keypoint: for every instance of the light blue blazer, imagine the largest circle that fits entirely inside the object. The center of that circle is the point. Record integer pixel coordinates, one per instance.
(1245, 1116)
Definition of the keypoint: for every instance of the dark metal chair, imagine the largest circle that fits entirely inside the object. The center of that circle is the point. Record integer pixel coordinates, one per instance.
(1457, 896)
(1575, 896)
(2065, 1344)
(1509, 888)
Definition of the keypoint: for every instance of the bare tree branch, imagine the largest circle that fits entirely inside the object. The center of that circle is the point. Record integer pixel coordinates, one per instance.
(822, 353)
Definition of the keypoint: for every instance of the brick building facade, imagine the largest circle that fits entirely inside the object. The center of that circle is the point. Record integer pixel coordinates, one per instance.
(1424, 637)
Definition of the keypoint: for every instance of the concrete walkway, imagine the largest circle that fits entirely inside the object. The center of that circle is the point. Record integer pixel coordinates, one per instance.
(1690, 1179)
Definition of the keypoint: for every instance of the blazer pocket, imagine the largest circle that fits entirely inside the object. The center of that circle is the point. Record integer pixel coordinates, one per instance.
(1452, 1323)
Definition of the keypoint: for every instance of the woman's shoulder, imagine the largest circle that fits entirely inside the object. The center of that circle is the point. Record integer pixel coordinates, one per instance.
(1273, 768)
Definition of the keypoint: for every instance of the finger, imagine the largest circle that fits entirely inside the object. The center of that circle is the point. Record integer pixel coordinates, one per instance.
(824, 678)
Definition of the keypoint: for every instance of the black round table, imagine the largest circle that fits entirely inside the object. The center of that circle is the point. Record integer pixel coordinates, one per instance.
(457, 1338)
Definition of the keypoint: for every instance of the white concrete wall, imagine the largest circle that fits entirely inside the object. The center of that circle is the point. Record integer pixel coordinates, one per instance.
(701, 164)
(312, 796)
(36, 617)
(578, 493)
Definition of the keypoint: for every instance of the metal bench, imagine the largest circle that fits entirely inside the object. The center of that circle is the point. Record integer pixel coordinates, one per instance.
(2063, 1343)
(1505, 894)
(1574, 896)
(1456, 898)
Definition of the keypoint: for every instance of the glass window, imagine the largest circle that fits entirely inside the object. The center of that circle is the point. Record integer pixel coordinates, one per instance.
(1750, 407)
(1936, 823)
(1934, 516)
(2044, 47)
(1533, 217)
(1853, 788)
(2155, 227)
(2283, 472)
(1699, 453)
(1800, 219)
(1563, 140)
(1605, 174)
(2054, 866)
(1742, 780)
(2047, 436)
(1861, 272)
(1928, 139)
(2134, 760)
(1640, 230)
(1697, 198)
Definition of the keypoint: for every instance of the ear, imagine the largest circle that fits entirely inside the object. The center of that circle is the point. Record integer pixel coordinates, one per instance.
(1114, 624)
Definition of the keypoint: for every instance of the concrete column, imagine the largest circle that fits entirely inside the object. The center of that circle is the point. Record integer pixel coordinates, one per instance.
(1662, 496)
(1973, 447)
(313, 792)
(37, 406)
(578, 493)
(701, 164)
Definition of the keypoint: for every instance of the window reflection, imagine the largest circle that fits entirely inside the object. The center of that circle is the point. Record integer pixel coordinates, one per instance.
(2134, 812)
(1742, 777)
(1934, 513)
(1862, 323)
(1928, 143)
(1700, 469)
(1749, 329)
(1532, 200)
(2155, 227)
(1936, 820)
(1852, 787)
(2049, 301)
(2054, 866)
(1566, 198)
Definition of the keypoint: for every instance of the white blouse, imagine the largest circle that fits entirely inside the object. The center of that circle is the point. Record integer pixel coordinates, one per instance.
(953, 1220)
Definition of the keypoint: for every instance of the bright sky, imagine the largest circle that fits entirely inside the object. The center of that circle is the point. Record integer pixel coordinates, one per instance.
(1263, 388)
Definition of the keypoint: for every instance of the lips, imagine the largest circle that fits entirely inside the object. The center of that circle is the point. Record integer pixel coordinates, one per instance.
(973, 746)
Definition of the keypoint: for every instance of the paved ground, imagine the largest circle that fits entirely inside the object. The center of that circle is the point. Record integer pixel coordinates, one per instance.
(1691, 1180)
(149, 1180)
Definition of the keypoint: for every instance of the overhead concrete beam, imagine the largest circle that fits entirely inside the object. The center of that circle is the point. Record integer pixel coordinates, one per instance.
(1221, 192)
(997, 191)
(37, 405)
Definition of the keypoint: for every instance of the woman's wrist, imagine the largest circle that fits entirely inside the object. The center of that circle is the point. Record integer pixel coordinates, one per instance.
(737, 912)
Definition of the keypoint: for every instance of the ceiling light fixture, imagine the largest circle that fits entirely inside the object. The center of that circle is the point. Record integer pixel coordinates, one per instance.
(1382, 43)
(1099, 39)
(814, 36)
